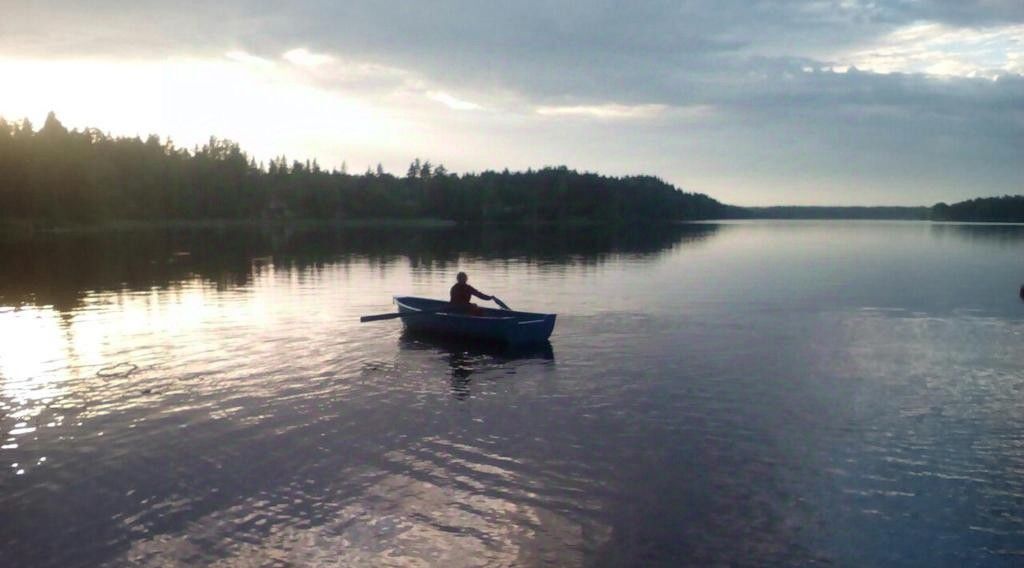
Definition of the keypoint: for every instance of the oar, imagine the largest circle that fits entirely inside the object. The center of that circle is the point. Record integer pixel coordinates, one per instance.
(498, 301)
(394, 315)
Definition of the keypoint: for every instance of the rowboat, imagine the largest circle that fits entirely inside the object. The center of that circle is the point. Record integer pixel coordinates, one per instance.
(506, 326)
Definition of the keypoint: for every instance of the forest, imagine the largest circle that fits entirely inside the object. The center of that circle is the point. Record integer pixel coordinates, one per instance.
(825, 212)
(1005, 209)
(53, 177)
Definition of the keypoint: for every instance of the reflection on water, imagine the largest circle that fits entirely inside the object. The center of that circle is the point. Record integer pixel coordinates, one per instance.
(58, 270)
(744, 393)
(986, 234)
(466, 357)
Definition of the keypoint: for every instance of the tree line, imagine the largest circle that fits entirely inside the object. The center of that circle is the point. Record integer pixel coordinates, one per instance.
(54, 176)
(836, 212)
(1005, 209)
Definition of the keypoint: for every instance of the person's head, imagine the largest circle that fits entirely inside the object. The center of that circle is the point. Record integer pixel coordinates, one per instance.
(461, 277)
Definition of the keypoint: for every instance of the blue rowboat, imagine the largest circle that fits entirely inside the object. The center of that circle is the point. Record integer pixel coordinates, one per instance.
(506, 326)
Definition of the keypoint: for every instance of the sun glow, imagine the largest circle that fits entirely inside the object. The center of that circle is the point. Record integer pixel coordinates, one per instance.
(267, 108)
(32, 351)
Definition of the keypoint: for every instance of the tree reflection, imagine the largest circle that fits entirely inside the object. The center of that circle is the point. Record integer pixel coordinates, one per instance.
(1003, 235)
(59, 270)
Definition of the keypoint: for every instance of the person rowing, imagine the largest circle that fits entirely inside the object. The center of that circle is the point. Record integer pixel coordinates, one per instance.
(459, 303)
(461, 294)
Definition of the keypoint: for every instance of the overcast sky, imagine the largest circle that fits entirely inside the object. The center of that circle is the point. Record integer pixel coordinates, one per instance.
(753, 102)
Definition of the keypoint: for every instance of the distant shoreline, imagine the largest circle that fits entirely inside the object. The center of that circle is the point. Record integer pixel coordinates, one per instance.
(823, 212)
(23, 228)
(56, 180)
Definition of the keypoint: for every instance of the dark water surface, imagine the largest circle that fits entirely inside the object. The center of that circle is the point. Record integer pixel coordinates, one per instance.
(752, 393)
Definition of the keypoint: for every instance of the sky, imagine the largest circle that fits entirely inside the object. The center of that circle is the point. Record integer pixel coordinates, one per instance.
(808, 102)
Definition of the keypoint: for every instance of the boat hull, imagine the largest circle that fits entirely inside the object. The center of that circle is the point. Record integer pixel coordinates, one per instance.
(505, 326)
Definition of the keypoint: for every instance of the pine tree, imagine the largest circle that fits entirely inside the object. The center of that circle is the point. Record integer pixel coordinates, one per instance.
(414, 169)
(52, 126)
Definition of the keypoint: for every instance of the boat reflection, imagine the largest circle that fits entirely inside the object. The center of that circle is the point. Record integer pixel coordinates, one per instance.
(467, 357)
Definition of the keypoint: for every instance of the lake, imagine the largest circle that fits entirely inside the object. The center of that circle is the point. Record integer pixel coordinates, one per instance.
(840, 393)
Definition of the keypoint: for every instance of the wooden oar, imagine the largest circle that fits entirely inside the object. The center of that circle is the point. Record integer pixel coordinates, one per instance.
(503, 305)
(394, 315)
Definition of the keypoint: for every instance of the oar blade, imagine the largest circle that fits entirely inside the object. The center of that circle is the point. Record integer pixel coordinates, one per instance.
(394, 315)
(379, 317)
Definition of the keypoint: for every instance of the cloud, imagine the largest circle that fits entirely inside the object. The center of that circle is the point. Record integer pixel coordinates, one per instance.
(305, 58)
(452, 102)
(900, 99)
(940, 49)
(248, 59)
(605, 111)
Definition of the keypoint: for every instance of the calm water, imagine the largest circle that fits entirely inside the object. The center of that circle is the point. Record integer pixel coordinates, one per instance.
(802, 392)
